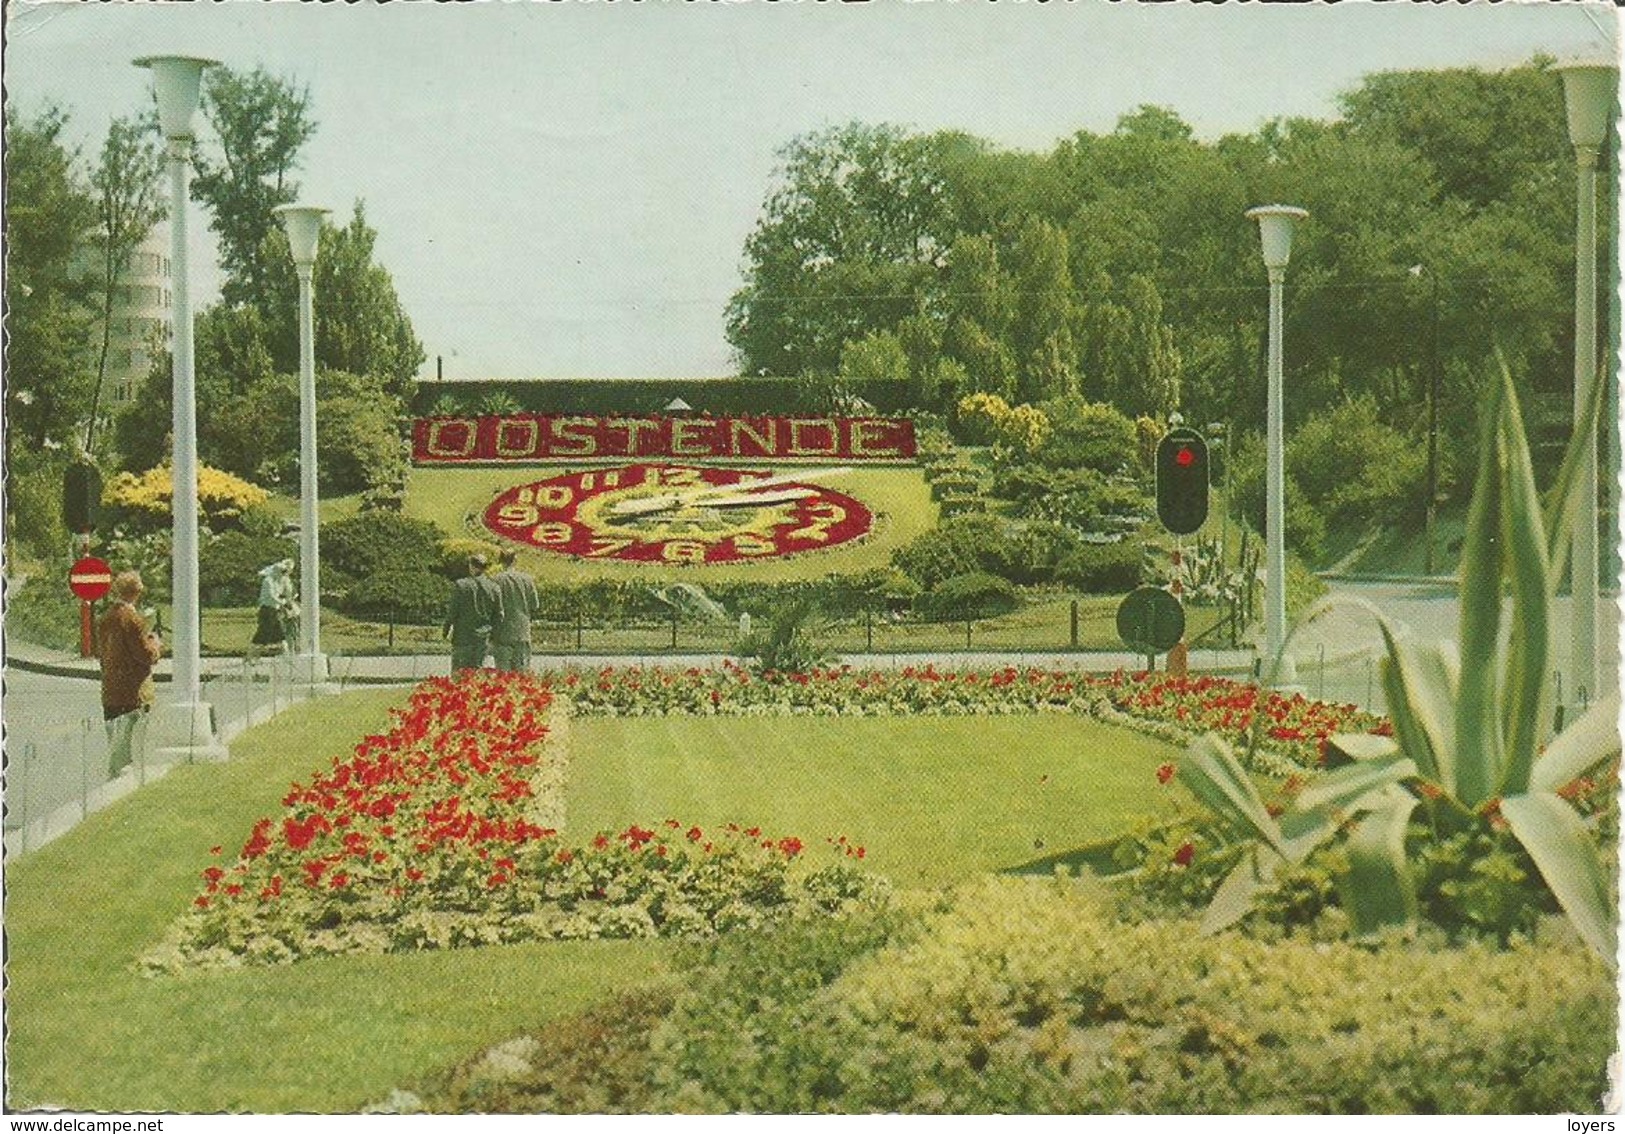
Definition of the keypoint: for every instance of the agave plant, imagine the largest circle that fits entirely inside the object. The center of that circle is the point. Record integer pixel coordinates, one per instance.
(1467, 734)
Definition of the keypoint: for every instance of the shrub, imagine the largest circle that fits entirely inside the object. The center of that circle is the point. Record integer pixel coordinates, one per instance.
(144, 501)
(1016, 995)
(1087, 435)
(977, 417)
(454, 553)
(1102, 569)
(788, 644)
(369, 542)
(1036, 549)
(1305, 526)
(229, 566)
(359, 443)
(1354, 468)
(974, 595)
(416, 597)
(957, 547)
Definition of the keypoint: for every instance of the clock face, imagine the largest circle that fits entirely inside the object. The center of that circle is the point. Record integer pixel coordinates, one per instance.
(661, 513)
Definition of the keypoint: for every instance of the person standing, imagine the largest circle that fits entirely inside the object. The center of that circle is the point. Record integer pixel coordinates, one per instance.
(510, 637)
(276, 604)
(475, 607)
(128, 652)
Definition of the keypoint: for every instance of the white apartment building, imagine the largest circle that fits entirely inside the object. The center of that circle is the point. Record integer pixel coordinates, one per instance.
(140, 316)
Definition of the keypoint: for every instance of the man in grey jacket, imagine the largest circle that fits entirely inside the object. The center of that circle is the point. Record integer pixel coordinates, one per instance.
(510, 636)
(475, 607)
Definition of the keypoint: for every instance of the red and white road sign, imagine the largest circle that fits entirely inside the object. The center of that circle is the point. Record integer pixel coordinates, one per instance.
(90, 578)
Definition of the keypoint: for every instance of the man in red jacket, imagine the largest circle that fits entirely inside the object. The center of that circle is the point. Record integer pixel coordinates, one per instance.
(129, 651)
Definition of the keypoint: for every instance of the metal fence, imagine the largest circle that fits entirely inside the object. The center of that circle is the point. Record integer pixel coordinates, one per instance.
(58, 775)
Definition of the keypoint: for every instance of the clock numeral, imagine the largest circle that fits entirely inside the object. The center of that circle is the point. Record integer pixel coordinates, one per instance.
(552, 497)
(517, 515)
(683, 551)
(552, 533)
(753, 545)
(825, 516)
(676, 477)
(608, 545)
(590, 480)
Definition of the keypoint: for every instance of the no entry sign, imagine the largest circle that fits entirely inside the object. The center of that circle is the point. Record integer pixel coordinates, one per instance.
(90, 578)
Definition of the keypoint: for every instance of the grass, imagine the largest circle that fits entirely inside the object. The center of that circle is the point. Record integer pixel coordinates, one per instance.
(933, 799)
(86, 1031)
(899, 498)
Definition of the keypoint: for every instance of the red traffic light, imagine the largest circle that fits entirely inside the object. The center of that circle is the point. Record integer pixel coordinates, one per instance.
(1182, 481)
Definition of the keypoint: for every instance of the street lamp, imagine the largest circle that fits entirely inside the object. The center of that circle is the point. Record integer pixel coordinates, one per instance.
(304, 226)
(1275, 225)
(1590, 92)
(183, 729)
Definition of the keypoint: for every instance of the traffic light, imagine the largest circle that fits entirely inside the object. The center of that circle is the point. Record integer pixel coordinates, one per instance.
(81, 497)
(1182, 481)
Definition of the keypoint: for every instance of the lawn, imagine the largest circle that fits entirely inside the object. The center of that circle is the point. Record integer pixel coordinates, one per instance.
(88, 1032)
(899, 498)
(932, 799)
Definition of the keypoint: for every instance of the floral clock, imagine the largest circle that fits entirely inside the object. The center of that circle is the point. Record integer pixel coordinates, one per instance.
(662, 513)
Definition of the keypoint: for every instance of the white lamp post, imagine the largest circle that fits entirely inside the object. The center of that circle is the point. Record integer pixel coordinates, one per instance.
(183, 729)
(1275, 225)
(1590, 92)
(304, 225)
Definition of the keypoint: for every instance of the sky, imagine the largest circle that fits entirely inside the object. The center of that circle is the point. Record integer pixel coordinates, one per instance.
(564, 189)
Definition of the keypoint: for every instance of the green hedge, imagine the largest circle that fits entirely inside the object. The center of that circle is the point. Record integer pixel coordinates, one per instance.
(1102, 569)
(718, 396)
(1031, 996)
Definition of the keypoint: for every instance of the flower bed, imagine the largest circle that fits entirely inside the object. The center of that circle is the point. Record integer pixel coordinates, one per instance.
(1172, 708)
(442, 832)
(1294, 729)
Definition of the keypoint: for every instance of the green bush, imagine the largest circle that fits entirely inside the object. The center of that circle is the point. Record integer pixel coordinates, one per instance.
(1087, 435)
(370, 542)
(416, 597)
(1354, 468)
(1036, 549)
(1102, 568)
(957, 547)
(229, 566)
(1019, 995)
(975, 595)
(1305, 526)
(34, 507)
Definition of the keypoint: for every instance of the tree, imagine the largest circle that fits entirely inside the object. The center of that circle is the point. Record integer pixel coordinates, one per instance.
(260, 124)
(359, 323)
(129, 203)
(49, 214)
(877, 357)
(845, 246)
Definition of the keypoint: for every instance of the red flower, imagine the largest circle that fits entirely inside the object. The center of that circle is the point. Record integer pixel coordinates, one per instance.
(1165, 772)
(1185, 853)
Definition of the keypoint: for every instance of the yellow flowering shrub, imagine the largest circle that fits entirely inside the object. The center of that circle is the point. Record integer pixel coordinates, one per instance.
(222, 497)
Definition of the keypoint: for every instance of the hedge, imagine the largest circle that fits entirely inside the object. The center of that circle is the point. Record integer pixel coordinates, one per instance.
(717, 396)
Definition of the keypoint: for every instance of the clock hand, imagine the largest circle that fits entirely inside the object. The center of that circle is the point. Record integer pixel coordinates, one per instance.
(649, 505)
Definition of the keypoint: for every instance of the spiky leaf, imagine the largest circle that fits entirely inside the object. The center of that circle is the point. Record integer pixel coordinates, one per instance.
(1378, 892)
(1254, 874)
(1420, 685)
(1524, 703)
(1357, 787)
(1219, 781)
(1478, 717)
(1588, 742)
(1570, 863)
